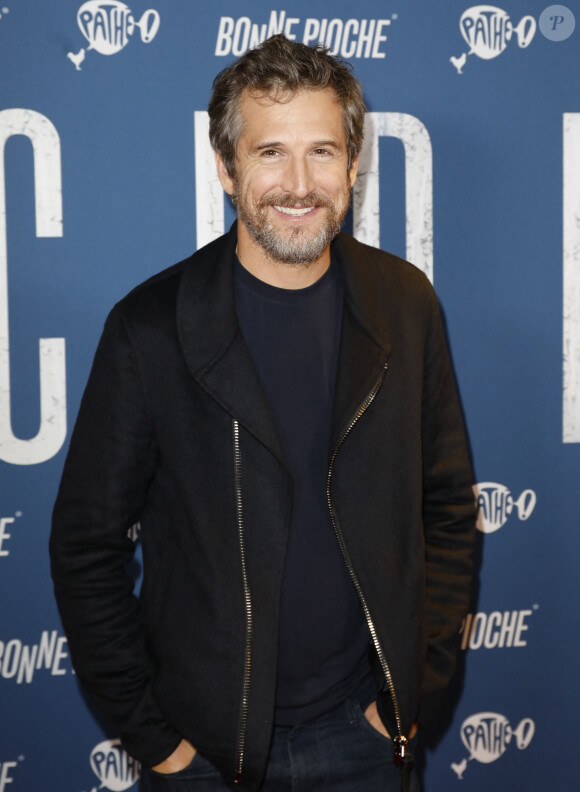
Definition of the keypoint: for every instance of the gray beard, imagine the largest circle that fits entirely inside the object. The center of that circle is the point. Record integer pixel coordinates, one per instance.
(300, 246)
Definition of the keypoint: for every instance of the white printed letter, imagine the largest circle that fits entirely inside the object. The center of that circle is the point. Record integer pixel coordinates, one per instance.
(48, 201)
(571, 264)
(418, 179)
(223, 45)
(209, 196)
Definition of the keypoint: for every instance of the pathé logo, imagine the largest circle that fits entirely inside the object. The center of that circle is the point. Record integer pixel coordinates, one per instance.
(109, 24)
(495, 504)
(486, 735)
(488, 30)
(115, 769)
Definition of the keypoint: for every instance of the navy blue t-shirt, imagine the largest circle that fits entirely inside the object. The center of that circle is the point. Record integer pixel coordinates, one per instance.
(294, 337)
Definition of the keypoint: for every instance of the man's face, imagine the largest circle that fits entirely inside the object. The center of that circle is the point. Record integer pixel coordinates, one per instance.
(292, 186)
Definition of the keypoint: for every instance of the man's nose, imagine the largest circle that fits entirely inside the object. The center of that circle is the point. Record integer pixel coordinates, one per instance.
(298, 177)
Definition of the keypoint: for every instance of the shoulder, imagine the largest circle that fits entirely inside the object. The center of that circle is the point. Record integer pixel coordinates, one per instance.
(383, 279)
(381, 264)
(158, 295)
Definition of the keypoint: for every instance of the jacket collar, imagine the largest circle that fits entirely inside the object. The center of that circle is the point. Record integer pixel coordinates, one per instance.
(219, 360)
(365, 345)
(213, 345)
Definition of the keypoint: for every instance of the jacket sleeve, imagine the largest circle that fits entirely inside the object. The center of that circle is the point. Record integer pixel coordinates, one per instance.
(448, 516)
(109, 465)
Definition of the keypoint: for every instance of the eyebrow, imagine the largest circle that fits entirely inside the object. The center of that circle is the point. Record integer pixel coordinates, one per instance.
(278, 143)
(329, 143)
(262, 146)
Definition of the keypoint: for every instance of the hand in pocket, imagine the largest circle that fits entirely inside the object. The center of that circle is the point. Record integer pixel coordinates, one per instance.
(178, 760)
(372, 715)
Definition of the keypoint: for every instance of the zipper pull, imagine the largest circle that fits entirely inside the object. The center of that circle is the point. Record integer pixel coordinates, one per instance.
(402, 755)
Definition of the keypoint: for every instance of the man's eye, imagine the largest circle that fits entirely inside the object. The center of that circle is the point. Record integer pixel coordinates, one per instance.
(322, 152)
(269, 153)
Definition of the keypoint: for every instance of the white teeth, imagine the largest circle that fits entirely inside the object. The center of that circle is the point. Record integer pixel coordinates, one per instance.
(294, 212)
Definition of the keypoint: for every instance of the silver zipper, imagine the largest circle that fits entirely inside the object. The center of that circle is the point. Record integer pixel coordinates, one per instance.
(400, 742)
(247, 607)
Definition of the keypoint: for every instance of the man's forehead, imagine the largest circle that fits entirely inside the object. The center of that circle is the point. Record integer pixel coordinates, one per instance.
(290, 109)
(253, 98)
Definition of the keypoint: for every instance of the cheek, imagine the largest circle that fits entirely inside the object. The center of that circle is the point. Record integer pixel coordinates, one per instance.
(256, 186)
(335, 184)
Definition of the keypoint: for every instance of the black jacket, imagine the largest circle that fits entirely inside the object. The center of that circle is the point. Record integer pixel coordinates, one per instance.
(172, 396)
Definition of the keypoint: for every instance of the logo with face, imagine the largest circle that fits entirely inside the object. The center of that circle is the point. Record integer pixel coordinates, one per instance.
(495, 504)
(487, 30)
(486, 735)
(108, 26)
(115, 769)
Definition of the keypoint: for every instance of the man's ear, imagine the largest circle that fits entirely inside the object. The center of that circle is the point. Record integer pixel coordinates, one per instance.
(226, 180)
(352, 172)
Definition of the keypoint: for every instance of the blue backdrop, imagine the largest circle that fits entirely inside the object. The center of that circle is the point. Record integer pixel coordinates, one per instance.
(471, 169)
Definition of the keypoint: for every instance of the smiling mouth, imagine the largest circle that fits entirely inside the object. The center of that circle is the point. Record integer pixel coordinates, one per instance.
(289, 210)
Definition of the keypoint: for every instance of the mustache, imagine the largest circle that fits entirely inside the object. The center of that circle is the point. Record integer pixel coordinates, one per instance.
(288, 200)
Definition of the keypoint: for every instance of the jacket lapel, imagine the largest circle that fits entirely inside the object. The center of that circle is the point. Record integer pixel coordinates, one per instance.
(365, 344)
(219, 360)
(212, 343)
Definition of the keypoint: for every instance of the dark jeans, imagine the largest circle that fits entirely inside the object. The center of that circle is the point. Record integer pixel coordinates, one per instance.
(339, 752)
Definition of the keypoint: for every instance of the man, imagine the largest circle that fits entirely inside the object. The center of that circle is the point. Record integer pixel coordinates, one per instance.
(279, 413)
